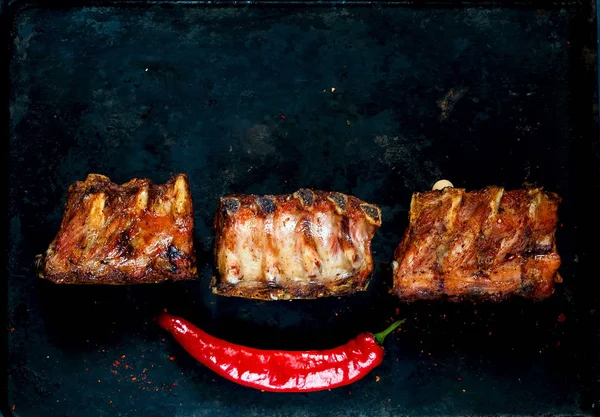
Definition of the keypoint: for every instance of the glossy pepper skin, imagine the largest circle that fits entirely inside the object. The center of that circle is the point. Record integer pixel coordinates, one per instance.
(278, 370)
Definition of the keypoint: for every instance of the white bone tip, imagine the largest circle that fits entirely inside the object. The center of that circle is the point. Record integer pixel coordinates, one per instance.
(441, 184)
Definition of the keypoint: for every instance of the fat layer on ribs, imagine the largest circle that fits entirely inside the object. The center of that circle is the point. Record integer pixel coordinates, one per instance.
(488, 243)
(306, 245)
(138, 232)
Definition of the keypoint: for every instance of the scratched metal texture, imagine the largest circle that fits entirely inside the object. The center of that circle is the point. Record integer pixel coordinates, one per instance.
(377, 101)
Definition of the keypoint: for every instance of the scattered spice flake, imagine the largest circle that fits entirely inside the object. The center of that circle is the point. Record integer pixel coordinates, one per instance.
(116, 363)
(348, 122)
(126, 366)
(459, 379)
(134, 379)
(162, 340)
(98, 381)
(123, 356)
(114, 371)
(144, 378)
(282, 116)
(464, 390)
(12, 329)
(110, 402)
(377, 378)
(333, 89)
(174, 384)
(397, 310)
(171, 358)
(13, 407)
(165, 309)
(561, 318)
(87, 369)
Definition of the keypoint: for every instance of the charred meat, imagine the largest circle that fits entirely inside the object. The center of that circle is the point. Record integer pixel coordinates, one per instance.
(307, 245)
(488, 243)
(137, 232)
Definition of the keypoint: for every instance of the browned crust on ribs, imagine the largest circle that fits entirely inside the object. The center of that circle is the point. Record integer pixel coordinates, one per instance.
(138, 232)
(305, 245)
(483, 244)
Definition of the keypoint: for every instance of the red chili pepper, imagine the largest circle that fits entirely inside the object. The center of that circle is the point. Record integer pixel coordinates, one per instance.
(277, 370)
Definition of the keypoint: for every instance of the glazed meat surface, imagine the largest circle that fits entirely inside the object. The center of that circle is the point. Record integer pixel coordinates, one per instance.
(308, 244)
(489, 243)
(137, 232)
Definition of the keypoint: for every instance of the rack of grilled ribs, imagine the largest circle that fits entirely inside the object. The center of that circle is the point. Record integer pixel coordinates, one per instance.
(307, 245)
(488, 243)
(137, 232)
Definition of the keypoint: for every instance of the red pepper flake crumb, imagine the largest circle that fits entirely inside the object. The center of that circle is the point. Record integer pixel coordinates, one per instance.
(98, 381)
(13, 407)
(156, 389)
(459, 379)
(490, 333)
(144, 378)
(123, 356)
(114, 371)
(397, 310)
(464, 390)
(12, 329)
(389, 400)
(377, 378)
(561, 318)
(116, 363)
(165, 309)
(126, 366)
(162, 340)
(282, 116)
(110, 402)
(174, 384)
(348, 122)
(87, 369)
(171, 358)
(134, 379)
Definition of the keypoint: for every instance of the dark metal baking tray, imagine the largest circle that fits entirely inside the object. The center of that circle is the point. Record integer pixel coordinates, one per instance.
(374, 100)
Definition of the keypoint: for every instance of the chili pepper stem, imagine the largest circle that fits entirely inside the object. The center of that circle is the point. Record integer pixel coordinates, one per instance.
(379, 337)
